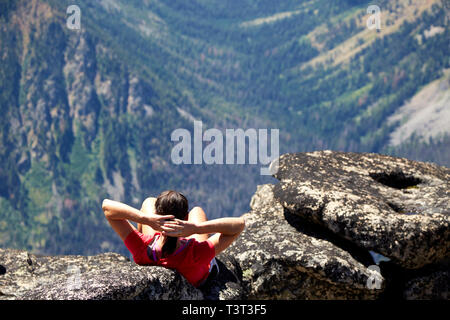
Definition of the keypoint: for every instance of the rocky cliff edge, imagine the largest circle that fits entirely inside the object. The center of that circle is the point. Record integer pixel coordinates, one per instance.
(337, 226)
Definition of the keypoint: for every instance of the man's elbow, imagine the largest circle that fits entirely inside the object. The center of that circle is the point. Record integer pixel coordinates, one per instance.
(106, 207)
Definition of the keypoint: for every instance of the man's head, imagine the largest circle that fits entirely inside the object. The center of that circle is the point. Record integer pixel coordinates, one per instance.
(171, 202)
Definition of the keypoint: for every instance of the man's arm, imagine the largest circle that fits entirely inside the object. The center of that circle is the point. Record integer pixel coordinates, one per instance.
(184, 228)
(226, 226)
(226, 230)
(115, 210)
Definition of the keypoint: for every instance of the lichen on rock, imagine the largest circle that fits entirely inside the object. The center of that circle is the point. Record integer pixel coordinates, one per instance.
(397, 207)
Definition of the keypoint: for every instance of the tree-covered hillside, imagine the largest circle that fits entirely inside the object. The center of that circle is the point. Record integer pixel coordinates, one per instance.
(88, 114)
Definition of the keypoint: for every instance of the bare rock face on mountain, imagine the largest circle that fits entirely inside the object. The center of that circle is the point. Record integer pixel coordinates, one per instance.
(392, 206)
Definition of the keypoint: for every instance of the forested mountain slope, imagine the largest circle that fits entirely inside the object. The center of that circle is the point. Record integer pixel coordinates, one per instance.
(88, 113)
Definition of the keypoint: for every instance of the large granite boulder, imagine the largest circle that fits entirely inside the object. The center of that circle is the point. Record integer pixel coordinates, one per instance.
(281, 257)
(108, 276)
(393, 206)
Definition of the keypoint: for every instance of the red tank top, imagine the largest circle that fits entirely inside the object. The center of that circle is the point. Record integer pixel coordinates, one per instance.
(192, 259)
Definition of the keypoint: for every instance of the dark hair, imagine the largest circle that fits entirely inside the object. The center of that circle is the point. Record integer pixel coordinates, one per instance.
(171, 202)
